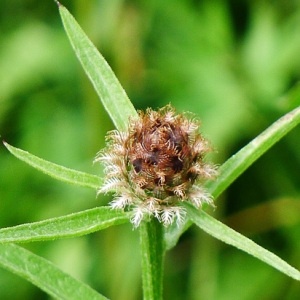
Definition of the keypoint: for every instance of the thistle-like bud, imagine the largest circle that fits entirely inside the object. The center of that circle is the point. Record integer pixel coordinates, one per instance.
(156, 164)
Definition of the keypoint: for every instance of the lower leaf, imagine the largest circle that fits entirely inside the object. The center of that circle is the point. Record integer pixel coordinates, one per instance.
(44, 274)
(231, 237)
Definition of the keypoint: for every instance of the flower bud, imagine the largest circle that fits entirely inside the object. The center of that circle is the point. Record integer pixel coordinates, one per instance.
(156, 164)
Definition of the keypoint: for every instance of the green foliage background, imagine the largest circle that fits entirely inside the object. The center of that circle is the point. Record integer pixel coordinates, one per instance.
(235, 64)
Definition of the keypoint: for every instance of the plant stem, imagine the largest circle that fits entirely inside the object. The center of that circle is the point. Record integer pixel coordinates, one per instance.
(152, 253)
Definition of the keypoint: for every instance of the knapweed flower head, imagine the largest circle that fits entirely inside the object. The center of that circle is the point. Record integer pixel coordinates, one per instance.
(156, 164)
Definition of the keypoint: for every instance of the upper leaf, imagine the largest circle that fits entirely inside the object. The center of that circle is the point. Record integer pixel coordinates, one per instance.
(56, 171)
(106, 84)
(239, 162)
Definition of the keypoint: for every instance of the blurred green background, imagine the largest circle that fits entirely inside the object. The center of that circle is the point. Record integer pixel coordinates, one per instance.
(235, 64)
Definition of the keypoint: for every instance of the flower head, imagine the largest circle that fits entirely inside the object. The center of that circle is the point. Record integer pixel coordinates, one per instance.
(156, 164)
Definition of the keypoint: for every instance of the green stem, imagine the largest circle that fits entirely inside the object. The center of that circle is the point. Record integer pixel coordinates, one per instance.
(152, 252)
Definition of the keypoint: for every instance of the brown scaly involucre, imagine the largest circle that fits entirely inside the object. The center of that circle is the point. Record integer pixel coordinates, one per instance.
(156, 164)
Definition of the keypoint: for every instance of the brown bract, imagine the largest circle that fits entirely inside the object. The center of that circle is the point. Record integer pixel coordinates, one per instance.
(156, 164)
(163, 152)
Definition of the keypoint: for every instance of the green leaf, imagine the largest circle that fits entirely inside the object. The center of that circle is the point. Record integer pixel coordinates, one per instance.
(152, 252)
(107, 86)
(44, 274)
(239, 162)
(56, 171)
(72, 225)
(231, 237)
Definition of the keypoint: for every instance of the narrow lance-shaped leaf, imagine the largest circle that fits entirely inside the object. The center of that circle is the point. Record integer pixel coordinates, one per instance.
(231, 237)
(72, 225)
(106, 84)
(239, 162)
(44, 274)
(56, 171)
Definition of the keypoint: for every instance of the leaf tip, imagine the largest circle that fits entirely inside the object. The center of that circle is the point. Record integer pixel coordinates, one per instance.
(4, 143)
(58, 3)
(7, 146)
